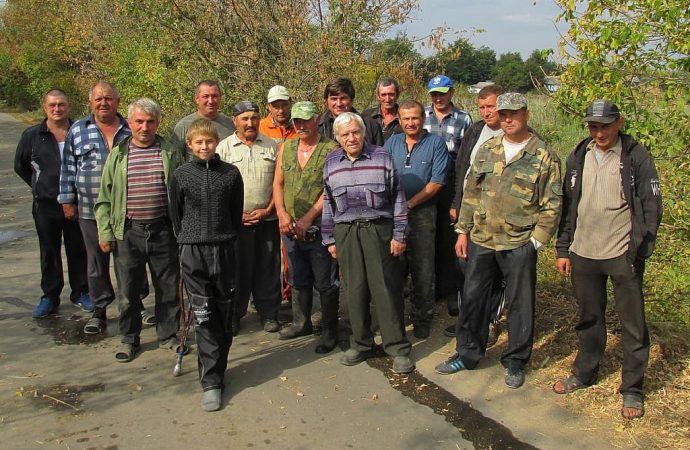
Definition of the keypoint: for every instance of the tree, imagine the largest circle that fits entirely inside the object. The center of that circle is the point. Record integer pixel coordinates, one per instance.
(462, 62)
(511, 73)
(538, 65)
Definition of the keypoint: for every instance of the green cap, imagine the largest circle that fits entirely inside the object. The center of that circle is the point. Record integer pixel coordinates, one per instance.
(304, 110)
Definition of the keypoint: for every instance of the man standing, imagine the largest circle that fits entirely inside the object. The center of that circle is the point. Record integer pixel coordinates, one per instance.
(258, 243)
(450, 123)
(339, 95)
(278, 123)
(87, 145)
(386, 114)
(421, 161)
(510, 208)
(133, 224)
(298, 194)
(37, 162)
(364, 226)
(207, 96)
(476, 135)
(610, 180)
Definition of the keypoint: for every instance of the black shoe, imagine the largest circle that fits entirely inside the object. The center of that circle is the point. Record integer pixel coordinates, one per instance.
(514, 377)
(270, 325)
(353, 357)
(421, 331)
(449, 331)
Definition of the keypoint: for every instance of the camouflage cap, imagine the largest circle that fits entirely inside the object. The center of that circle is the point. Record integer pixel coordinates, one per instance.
(304, 110)
(511, 100)
(602, 111)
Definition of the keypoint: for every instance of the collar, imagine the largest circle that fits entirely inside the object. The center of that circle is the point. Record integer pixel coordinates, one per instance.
(617, 147)
(235, 140)
(366, 153)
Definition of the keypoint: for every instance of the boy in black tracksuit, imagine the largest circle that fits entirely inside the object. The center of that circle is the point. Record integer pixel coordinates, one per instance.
(206, 197)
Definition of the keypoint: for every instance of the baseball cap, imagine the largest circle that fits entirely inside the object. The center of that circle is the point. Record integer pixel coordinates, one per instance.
(243, 107)
(440, 83)
(278, 92)
(511, 100)
(602, 111)
(303, 110)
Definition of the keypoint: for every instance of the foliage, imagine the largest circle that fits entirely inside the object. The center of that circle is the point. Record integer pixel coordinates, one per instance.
(538, 66)
(465, 63)
(511, 73)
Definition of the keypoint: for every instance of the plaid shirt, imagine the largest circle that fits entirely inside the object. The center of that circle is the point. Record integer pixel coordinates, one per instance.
(451, 128)
(82, 163)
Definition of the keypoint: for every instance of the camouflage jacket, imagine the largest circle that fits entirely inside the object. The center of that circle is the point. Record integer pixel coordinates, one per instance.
(505, 204)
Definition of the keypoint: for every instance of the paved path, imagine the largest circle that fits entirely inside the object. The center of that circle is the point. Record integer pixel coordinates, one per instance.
(62, 389)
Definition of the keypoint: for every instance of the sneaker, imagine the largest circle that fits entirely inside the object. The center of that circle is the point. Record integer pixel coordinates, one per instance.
(421, 331)
(450, 366)
(45, 307)
(271, 325)
(494, 333)
(402, 364)
(353, 357)
(514, 378)
(84, 302)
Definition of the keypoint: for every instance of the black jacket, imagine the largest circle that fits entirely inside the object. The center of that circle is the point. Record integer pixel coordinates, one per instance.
(374, 134)
(206, 201)
(37, 161)
(641, 189)
(462, 162)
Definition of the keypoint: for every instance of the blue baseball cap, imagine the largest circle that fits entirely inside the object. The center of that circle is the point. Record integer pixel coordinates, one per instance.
(440, 83)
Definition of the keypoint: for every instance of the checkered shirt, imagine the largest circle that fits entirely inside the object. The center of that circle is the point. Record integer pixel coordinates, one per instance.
(451, 128)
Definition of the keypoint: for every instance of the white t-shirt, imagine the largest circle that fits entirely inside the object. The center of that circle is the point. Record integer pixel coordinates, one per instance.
(510, 149)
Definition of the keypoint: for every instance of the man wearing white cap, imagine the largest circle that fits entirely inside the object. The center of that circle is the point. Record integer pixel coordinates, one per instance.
(278, 123)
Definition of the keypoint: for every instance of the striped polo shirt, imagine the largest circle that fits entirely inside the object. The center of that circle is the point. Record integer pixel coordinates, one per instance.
(147, 196)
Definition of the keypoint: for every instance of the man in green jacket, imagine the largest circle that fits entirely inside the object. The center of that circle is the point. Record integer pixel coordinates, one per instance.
(133, 224)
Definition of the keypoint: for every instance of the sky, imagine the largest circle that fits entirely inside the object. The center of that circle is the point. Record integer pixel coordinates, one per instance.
(510, 25)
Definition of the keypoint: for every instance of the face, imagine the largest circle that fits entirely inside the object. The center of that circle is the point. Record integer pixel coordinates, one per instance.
(306, 128)
(605, 134)
(412, 121)
(104, 103)
(247, 125)
(441, 101)
(514, 123)
(487, 109)
(387, 96)
(144, 127)
(280, 111)
(202, 146)
(208, 101)
(56, 108)
(351, 138)
(339, 103)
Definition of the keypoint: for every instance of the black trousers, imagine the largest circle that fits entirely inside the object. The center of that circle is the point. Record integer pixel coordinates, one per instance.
(446, 262)
(153, 244)
(52, 228)
(205, 269)
(589, 278)
(258, 269)
(485, 270)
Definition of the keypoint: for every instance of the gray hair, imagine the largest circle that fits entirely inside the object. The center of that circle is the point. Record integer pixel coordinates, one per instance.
(345, 118)
(145, 105)
(385, 82)
(105, 84)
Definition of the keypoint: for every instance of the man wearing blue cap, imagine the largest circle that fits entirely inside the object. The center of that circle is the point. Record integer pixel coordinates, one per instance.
(449, 122)
(258, 243)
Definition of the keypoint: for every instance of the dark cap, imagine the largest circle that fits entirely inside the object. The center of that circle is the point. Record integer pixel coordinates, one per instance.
(602, 111)
(243, 107)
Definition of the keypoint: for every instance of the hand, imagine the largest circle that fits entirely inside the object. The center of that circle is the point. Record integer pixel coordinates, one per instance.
(563, 266)
(461, 246)
(331, 250)
(107, 247)
(301, 227)
(453, 213)
(397, 248)
(285, 224)
(253, 217)
(69, 210)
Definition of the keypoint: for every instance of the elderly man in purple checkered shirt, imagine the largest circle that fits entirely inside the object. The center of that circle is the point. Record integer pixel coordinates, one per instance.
(365, 219)
(450, 123)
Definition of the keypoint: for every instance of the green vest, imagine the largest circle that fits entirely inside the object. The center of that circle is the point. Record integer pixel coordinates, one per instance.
(302, 187)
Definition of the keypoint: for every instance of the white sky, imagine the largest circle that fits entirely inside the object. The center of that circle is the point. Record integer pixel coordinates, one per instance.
(510, 25)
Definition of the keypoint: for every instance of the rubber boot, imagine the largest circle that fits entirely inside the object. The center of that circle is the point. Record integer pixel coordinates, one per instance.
(301, 315)
(329, 322)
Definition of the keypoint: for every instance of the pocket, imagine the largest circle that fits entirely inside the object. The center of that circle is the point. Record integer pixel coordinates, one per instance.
(340, 198)
(376, 196)
(523, 185)
(87, 157)
(200, 307)
(518, 225)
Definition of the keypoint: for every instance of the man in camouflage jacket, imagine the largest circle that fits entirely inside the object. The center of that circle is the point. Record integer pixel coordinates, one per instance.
(510, 208)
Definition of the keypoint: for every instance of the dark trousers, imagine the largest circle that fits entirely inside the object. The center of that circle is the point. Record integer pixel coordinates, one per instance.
(153, 244)
(369, 271)
(97, 266)
(419, 259)
(52, 228)
(311, 266)
(589, 277)
(258, 269)
(446, 262)
(486, 268)
(205, 269)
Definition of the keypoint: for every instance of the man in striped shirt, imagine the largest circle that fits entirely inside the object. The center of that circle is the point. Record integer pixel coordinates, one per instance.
(132, 216)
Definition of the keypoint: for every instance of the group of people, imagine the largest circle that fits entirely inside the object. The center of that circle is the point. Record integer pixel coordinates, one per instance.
(358, 202)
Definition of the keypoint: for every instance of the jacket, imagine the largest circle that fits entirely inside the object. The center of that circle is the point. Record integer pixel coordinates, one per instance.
(37, 161)
(641, 189)
(462, 162)
(111, 205)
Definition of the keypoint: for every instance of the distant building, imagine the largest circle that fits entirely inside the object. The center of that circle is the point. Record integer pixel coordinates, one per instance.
(475, 88)
(552, 83)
